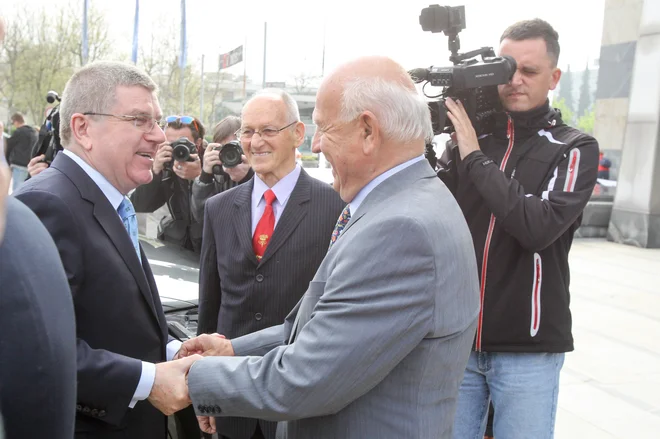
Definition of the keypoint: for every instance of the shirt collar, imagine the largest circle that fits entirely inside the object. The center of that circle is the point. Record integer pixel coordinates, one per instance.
(362, 194)
(282, 188)
(111, 193)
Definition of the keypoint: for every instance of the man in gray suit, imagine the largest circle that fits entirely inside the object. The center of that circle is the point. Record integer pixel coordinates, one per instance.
(377, 345)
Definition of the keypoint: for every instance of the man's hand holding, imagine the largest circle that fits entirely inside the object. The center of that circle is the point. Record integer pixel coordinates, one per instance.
(239, 172)
(211, 157)
(208, 345)
(466, 137)
(169, 393)
(207, 424)
(164, 155)
(188, 170)
(37, 165)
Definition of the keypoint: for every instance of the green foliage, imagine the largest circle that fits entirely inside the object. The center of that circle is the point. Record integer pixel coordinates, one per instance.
(586, 122)
(566, 89)
(566, 113)
(585, 93)
(42, 49)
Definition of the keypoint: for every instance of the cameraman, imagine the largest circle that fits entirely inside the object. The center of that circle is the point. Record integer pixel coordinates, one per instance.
(208, 183)
(522, 189)
(172, 185)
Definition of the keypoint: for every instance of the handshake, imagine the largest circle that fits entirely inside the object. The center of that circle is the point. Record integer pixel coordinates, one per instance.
(169, 393)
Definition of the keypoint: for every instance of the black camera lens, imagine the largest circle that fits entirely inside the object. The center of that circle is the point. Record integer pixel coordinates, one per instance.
(230, 154)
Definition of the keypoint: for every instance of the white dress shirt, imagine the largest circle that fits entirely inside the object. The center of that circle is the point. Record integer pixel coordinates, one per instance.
(115, 198)
(282, 190)
(362, 194)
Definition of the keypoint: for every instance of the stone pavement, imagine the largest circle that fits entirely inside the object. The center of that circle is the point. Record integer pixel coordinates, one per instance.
(610, 384)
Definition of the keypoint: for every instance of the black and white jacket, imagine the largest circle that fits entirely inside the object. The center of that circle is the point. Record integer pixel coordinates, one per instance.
(523, 195)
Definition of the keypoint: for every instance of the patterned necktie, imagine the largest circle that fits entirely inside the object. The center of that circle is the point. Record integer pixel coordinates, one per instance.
(265, 226)
(128, 217)
(344, 218)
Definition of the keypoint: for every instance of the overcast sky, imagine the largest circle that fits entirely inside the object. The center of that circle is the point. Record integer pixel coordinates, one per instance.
(296, 29)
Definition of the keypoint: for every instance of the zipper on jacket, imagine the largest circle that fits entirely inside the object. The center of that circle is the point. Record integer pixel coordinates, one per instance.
(489, 235)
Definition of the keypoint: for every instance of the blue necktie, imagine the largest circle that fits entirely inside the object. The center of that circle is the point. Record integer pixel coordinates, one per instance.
(344, 218)
(128, 217)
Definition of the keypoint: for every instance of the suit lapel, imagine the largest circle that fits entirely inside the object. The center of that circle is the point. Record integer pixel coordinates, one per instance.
(294, 212)
(111, 223)
(243, 223)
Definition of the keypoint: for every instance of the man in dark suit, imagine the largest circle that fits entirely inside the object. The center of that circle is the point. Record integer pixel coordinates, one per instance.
(37, 345)
(264, 240)
(110, 135)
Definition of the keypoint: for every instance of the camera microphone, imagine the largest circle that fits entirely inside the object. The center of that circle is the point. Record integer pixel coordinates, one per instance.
(419, 75)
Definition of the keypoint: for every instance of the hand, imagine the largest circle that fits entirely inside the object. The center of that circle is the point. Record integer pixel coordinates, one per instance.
(188, 170)
(239, 172)
(37, 165)
(208, 345)
(164, 155)
(211, 157)
(466, 137)
(206, 424)
(169, 393)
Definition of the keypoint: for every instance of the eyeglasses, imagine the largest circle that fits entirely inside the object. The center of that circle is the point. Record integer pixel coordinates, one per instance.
(246, 134)
(141, 122)
(184, 120)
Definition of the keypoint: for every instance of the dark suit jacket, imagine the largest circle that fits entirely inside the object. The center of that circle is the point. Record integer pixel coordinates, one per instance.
(119, 316)
(37, 332)
(237, 294)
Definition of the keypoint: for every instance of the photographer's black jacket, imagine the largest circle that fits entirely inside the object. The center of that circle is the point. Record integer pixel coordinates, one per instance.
(19, 145)
(523, 195)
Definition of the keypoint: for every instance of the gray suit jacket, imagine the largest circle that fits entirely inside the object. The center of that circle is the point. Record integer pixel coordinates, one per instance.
(377, 346)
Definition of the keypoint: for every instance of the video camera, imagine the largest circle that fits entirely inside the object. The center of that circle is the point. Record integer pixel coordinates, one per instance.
(472, 82)
(230, 155)
(49, 133)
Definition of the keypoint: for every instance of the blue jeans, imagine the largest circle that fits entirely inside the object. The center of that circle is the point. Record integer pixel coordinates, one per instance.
(523, 388)
(18, 175)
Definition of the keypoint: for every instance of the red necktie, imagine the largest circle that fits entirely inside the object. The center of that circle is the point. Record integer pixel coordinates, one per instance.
(265, 226)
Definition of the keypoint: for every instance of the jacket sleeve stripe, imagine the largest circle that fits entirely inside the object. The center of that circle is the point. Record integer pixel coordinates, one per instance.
(551, 185)
(573, 169)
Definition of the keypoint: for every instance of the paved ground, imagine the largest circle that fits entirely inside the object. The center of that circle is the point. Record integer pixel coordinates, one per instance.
(610, 384)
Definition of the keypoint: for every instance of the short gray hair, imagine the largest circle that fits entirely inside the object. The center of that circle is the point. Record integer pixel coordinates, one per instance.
(93, 88)
(403, 113)
(292, 111)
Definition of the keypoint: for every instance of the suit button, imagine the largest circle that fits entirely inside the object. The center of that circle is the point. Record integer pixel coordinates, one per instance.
(260, 277)
(101, 413)
(258, 316)
(217, 409)
(78, 408)
(86, 410)
(95, 412)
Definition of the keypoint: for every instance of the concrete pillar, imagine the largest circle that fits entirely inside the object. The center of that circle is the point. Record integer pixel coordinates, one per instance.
(617, 54)
(636, 214)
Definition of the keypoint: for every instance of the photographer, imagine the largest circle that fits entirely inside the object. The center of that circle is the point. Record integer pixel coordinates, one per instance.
(210, 183)
(522, 188)
(18, 149)
(172, 184)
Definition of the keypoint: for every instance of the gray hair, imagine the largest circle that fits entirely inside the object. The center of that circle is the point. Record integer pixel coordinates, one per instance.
(292, 112)
(93, 88)
(403, 113)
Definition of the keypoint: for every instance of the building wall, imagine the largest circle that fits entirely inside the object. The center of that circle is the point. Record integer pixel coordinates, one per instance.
(621, 25)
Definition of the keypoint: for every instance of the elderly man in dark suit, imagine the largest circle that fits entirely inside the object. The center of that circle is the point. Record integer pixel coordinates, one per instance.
(109, 130)
(264, 240)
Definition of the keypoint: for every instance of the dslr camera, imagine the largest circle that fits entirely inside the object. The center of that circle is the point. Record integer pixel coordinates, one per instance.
(49, 133)
(182, 148)
(469, 80)
(230, 155)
